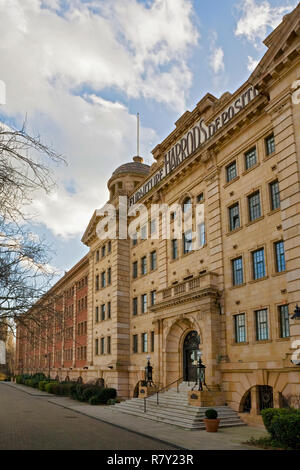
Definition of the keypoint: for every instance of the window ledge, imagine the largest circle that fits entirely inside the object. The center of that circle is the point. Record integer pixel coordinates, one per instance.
(257, 280)
(274, 211)
(267, 157)
(231, 181)
(283, 339)
(279, 274)
(244, 343)
(262, 341)
(245, 172)
(237, 286)
(254, 221)
(231, 232)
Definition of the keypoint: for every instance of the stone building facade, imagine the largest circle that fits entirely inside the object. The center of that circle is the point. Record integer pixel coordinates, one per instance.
(233, 295)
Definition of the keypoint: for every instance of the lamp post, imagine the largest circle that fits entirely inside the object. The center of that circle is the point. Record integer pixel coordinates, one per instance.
(296, 313)
(201, 371)
(148, 372)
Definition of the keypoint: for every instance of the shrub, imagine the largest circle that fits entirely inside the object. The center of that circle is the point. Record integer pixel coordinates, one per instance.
(211, 413)
(107, 394)
(91, 391)
(51, 387)
(283, 426)
(42, 385)
(112, 401)
(94, 400)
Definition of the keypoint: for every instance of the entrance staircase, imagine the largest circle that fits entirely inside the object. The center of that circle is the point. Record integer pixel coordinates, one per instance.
(173, 408)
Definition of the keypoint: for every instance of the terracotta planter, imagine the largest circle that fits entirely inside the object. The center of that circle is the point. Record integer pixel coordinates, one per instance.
(211, 425)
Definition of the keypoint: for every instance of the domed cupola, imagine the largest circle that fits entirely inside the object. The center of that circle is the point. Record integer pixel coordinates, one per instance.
(127, 176)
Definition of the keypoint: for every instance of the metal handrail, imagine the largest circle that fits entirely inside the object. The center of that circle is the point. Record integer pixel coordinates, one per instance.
(160, 390)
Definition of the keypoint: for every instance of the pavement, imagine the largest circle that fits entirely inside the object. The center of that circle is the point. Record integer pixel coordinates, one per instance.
(166, 435)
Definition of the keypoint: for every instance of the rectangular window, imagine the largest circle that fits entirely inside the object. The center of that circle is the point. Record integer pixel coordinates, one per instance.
(231, 172)
(254, 206)
(201, 234)
(109, 247)
(103, 279)
(284, 321)
(102, 346)
(274, 195)
(109, 310)
(262, 330)
(250, 158)
(135, 343)
(200, 197)
(187, 242)
(259, 267)
(144, 232)
(97, 256)
(174, 248)
(97, 282)
(153, 260)
(280, 257)
(96, 347)
(135, 306)
(270, 144)
(153, 297)
(108, 345)
(152, 341)
(109, 276)
(153, 226)
(144, 265)
(134, 270)
(103, 251)
(144, 342)
(144, 303)
(234, 217)
(103, 312)
(134, 239)
(97, 314)
(237, 271)
(240, 328)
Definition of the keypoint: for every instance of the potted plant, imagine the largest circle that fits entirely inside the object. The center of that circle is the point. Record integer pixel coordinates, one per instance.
(211, 421)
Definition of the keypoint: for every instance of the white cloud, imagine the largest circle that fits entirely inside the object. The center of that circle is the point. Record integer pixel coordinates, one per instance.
(58, 59)
(257, 17)
(252, 63)
(216, 60)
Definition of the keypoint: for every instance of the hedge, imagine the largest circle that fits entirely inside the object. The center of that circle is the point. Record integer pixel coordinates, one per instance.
(283, 425)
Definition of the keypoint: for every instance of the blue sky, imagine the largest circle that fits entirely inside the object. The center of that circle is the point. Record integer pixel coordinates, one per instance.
(81, 70)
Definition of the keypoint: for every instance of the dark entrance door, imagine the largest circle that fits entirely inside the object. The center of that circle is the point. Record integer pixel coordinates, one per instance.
(190, 348)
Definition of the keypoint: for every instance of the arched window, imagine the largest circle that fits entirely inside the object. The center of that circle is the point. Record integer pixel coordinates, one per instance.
(187, 205)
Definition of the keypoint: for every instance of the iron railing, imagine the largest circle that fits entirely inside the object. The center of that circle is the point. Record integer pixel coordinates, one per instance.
(177, 382)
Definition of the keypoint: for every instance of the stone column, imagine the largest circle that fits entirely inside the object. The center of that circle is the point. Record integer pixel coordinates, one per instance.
(254, 401)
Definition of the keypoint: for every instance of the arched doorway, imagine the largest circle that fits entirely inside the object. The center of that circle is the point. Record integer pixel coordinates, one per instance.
(190, 348)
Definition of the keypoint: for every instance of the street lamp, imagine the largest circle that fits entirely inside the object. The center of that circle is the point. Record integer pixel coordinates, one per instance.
(148, 372)
(296, 313)
(200, 371)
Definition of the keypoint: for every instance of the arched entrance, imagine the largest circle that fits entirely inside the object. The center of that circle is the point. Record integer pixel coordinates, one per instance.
(190, 348)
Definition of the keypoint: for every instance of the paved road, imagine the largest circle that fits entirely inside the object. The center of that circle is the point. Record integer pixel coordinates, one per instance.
(32, 423)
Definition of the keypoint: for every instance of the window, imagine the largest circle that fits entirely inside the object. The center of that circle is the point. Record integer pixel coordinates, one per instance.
(135, 343)
(103, 251)
(259, 268)
(187, 205)
(144, 265)
(274, 195)
(280, 258)
(200, 197)
(103, 279)
(173, 216)
(134, 269)
(240, 328)
(270, 144)
(97, 282)
(144, 342)
(144, 303)
(97, 256)
(250, 158)
(102, 346)
(134, 239)
(153, 226)
(97, 314)
(152, 341)
(109, 310)
(284, 321)
(96, 347)
(237, 271)
(201, 234)
(231, 172)
(153, 297)
(187, 242)
(262, 331)
(109, 276)
(234, 217)
(144, 232)
(174, 248)
(109, 247)
(108, 345)
(135, 306)
(153, 260)
(103, 312)
(254, 206)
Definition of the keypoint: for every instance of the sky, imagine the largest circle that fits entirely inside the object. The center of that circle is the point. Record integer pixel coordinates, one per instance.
(80, 71)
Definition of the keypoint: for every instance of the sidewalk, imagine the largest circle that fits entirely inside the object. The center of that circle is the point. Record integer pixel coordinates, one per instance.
(225, 439)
